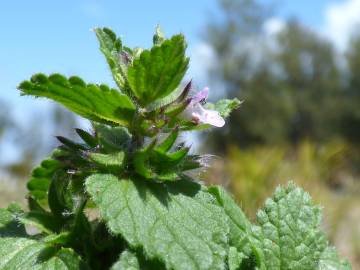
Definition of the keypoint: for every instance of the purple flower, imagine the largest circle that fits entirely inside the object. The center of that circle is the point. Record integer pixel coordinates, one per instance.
(198, 114)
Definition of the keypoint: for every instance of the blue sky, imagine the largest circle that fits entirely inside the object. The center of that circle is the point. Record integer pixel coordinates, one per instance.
(54, 36)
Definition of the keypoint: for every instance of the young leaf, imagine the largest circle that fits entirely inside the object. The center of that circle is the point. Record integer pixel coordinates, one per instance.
(108, 160)
(288, 235)
(157, 73)
(224, 106)
(90, 101)
(165, 146)
(86, 137)
(40, 180)
(113, 139)
(158, 37)
(111, 47)
(176, 223)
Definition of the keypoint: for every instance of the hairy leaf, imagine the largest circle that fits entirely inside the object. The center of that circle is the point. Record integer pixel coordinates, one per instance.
(113, 139)
(18, 251)
(116, 56)
(240, 226)
(224, 106)
(40, 180)
(27, 254)
(108, 160)
(128, 260)
(330, 260)
(159, 71)
(158, 37)
(176, 223)
(288, 234)
(97, 103)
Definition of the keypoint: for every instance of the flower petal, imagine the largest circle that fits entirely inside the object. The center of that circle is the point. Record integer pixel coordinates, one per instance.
(211, 117)
(200, 96)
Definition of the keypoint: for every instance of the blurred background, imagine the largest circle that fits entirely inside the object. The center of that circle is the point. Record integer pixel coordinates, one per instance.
(295, 64)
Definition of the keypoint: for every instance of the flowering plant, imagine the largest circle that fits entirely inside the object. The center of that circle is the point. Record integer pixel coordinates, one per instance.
(122, 198)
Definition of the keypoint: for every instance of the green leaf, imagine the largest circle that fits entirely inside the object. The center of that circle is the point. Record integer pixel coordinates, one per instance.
(169, 141)
(330, 260)
(128, 260)
(40, 180)
(159, 71)
(177, 223)
(159, 36)
(27, 254)
(112, 48)
(240, 226)
(108, 160)
(9, 226)
(91, 101)
(132, 261)
(235, 259)
(86, 137)
(113, 138)
(43, 221)
(289, 235)
(224, 106)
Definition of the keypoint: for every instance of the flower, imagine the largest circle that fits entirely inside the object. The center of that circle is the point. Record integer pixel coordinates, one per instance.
(198, 114)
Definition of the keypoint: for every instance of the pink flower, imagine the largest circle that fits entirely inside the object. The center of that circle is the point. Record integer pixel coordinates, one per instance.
(198, 114)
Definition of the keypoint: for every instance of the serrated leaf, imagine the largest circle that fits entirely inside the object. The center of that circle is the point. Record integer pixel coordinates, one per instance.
(89, 101)
(27, 254)
(177, 223)
(9, 226)
(159, 36)
(330, 260)
(288, 235)
(128, 260)
(40, 180)
(224, 106)
(240, 226)
(113, 138)
(116, 56)
(159, 71)
(235, 259)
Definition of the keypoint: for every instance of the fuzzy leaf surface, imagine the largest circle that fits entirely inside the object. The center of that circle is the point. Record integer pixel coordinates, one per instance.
(240, 226)
(18, 251)
(97, 103)
(176, 223)
(27, 254)
(289, 235)
(224, 106)
(111, 47)
(158, 72)
(330, 261)
(128, 260)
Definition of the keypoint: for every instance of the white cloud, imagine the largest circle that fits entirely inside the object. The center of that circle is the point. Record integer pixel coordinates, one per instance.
(202, 58)
(341, 20)
(273, 26)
